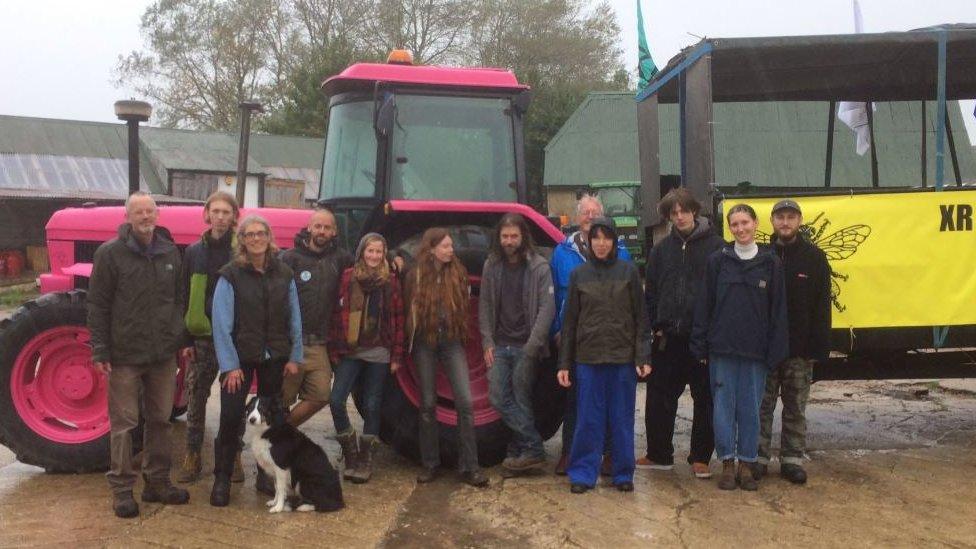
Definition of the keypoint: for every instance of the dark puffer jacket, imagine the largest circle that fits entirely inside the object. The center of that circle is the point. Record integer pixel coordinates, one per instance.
(135, 300)
(261, 312)
(317, 276)
(675, 270)
(741, 311)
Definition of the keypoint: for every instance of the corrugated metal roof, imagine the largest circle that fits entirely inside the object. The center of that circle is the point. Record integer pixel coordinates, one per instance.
(767, 144)
(288, 151)
(53, 157)
(195, 150)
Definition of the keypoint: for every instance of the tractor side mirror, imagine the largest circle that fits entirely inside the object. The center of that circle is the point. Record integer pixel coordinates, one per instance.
(521, 102)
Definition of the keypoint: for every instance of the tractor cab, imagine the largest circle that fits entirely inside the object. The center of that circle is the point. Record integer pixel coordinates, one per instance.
(399, 131)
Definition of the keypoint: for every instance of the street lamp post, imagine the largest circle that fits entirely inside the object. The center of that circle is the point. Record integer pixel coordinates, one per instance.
(246, 108)
(133, 112)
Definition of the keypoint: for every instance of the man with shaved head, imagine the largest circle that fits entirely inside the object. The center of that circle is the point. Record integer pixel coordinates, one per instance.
(135, 320)
(318, 262)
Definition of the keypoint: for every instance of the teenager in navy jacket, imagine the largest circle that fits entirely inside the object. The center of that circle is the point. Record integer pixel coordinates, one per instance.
(740, 332)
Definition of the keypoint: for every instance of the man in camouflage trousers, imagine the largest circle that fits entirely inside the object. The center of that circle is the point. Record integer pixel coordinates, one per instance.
(807, 277)
(201, 262)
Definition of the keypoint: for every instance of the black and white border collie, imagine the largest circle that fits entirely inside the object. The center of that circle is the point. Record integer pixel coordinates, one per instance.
(298, 466)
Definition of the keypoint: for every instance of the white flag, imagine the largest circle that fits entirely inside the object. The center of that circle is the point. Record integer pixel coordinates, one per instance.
(855, 115)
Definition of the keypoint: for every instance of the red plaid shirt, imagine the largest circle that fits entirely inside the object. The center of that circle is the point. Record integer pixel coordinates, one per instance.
(392, 335)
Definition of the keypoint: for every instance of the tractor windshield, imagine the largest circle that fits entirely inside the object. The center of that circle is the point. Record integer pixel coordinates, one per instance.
(618, 200)
(349, 167)
(453, 148)
(442, 148)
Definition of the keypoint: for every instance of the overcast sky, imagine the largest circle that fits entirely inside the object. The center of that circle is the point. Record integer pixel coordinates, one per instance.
(59, 55)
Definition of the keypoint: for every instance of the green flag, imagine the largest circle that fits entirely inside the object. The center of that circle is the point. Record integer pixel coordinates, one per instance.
(646, 69)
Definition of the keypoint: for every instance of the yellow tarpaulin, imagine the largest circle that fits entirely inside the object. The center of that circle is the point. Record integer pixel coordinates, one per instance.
(899, 259)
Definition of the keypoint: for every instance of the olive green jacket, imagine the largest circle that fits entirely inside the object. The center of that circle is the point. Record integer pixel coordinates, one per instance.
(135, 300)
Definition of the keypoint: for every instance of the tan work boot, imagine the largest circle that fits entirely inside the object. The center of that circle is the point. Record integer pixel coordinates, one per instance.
(727, 480)
(190, 471)
(745, 478)
(238, 474)
(349, 443)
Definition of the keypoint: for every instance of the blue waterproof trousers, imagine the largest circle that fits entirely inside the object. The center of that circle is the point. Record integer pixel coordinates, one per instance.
(606, 395)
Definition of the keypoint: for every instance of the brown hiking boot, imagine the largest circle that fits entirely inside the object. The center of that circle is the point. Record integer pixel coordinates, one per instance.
(727, 480)
(364, 463)
(164, 492)
(192, 466)
(350, 453)
(238, 474)
(745, 479)
(523, 463)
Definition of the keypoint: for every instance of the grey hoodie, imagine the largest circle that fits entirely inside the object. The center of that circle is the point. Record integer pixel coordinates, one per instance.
(538, 299)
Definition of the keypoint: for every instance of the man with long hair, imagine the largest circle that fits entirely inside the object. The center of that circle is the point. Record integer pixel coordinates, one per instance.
(438, 300)
(514, 333)
(201, 262)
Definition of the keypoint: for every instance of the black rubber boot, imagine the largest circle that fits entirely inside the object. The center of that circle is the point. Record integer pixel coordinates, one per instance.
(125, 505)
(220, 494)
(793, 473)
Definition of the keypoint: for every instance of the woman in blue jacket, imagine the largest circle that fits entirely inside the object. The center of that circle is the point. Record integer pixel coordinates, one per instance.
(740, 332)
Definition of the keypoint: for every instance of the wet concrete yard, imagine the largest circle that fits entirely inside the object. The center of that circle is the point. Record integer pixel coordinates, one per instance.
(892, 464)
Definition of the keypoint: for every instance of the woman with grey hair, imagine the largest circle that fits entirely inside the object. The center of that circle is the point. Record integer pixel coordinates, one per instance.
(253, 334)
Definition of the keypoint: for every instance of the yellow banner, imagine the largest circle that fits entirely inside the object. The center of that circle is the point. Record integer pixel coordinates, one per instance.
(898, 259)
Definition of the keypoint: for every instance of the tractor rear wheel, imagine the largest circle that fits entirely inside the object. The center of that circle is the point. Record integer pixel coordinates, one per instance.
(53, 404)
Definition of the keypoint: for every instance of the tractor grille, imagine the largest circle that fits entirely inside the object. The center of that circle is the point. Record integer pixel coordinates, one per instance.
(85, 251)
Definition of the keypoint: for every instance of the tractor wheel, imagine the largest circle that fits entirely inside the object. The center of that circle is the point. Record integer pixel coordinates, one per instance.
(400, 425)
(53, 404)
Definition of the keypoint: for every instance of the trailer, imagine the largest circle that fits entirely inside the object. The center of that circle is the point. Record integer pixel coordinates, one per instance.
(902, 256)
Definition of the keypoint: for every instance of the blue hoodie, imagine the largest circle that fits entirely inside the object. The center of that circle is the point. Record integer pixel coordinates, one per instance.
(741, 309)
(566, 257)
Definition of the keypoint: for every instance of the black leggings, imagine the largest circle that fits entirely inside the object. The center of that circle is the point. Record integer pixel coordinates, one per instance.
(270, 373)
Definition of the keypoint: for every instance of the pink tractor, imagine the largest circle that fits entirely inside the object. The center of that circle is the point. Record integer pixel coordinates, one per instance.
(407, 148)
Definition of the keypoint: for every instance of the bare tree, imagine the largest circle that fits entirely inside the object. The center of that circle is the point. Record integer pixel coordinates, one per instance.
(201, 58)
(436, 31)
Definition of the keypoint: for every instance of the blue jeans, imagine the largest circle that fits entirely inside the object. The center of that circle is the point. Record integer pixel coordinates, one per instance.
(737, 391)
(510, 382)
(346, 374)
(606, 396)
(450, 355)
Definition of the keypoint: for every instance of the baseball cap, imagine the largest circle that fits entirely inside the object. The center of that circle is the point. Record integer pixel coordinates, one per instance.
(787, 205)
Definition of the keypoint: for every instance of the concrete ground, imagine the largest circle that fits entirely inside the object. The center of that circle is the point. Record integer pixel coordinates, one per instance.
(891, 464)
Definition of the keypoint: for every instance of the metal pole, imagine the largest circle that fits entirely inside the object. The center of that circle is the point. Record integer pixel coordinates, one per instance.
(246, 108)
(952, 150)
(925, 132)
(941, 115)
(133, 132)
(874, 150)
(242, 153)
(831, 116)
(940, 333)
